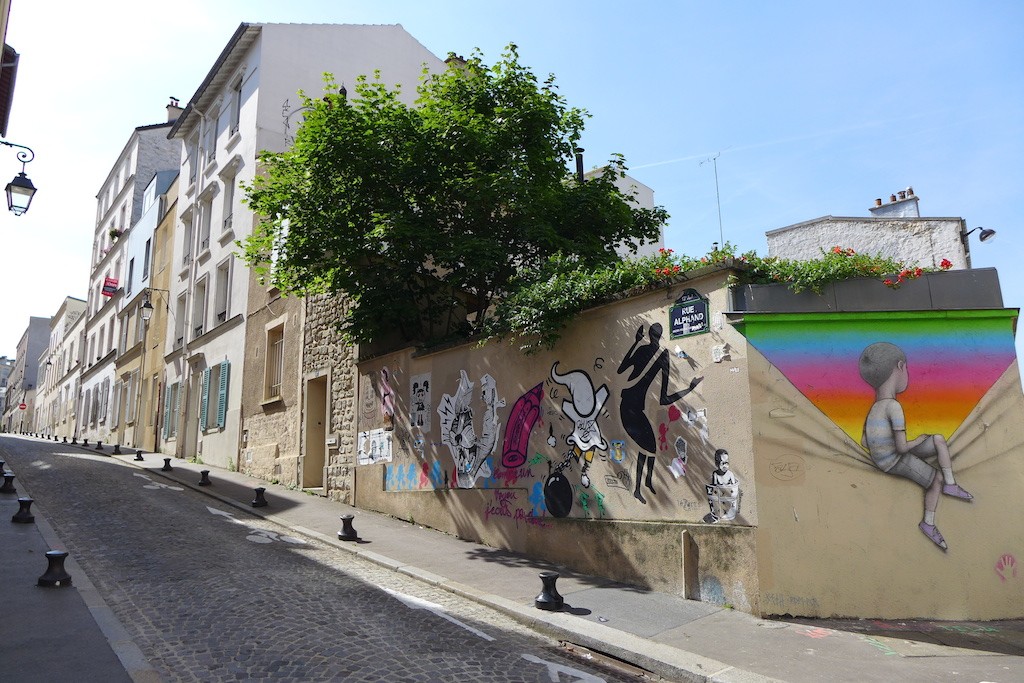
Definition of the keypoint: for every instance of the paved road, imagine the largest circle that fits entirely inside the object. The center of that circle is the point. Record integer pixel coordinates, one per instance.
(210, 593)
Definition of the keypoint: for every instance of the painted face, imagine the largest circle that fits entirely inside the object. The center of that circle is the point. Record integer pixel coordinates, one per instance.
(723, 462)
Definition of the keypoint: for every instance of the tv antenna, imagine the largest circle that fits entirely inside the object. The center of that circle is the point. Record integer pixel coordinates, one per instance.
(718, 197)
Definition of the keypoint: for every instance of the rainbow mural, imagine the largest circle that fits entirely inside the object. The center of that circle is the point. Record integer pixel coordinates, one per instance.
(954, 358)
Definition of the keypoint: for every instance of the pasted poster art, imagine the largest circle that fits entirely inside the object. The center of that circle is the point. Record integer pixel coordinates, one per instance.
(419, 404)
(524, 415)
(374, 446)
(723, 491)
(900, 385)
(646, 364)
(387, 398)
(583, 409)
(458, 431)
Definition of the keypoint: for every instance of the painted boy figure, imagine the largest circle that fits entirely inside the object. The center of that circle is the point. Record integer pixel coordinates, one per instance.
(884, 367)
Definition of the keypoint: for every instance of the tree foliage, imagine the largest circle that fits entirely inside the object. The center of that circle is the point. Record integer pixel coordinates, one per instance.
(424, 215)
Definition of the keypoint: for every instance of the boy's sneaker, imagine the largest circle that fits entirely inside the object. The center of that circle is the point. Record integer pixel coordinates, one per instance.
(933, 534)
(955, 491)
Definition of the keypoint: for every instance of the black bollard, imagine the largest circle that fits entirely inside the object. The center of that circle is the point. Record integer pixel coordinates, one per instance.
(348, 532)
(65, 440)
(2, 464)
(260, 501)
(138, 456)
(167, 466)
(99, 445)
(24, 515)
(8, 486)
(85, 442)
(74, 440)
(204, 478)
(55, 574)
(549, 599)
(117, 449)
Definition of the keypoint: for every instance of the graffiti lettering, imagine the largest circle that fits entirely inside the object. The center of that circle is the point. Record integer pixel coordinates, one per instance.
(501, 506)
(508, 476)
(525, 517)
(787, 468)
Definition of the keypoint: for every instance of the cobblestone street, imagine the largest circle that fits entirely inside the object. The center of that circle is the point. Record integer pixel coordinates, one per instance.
(210, 593)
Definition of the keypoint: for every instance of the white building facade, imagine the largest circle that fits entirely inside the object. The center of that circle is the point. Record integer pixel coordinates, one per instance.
(247, 103)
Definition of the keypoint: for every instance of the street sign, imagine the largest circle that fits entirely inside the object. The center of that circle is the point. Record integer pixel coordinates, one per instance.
(689, 315)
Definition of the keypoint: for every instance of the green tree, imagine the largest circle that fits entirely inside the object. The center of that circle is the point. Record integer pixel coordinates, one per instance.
(424, 215)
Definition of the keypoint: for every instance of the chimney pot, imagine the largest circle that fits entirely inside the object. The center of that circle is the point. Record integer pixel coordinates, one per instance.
(878, 201)
(903, 194)
(892, 198)
(910, 192)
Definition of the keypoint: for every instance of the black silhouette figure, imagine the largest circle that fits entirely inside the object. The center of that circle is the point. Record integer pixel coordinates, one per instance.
(646, 364)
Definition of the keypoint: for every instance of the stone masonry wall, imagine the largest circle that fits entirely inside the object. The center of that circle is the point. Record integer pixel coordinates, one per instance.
(326, 352)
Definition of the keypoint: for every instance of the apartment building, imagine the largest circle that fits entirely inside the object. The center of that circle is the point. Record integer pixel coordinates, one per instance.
(222, 320)
(58, 372)
(119, 206)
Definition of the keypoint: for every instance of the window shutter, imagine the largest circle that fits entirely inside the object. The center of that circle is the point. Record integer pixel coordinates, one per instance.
(177, 407)
(167, 411)
(222, 394)
(204, 402)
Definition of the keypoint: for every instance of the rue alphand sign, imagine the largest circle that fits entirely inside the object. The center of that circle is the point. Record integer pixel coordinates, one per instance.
(688, 315)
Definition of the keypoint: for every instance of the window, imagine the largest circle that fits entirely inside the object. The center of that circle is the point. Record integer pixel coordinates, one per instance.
(236, 105)
(104, 401)
(115, 409)
(124, 335)
(192, 158)
(215, 391)
(179, 322)
(131, 275)
(229, 199)
(199, 309)
(86, 404)
(131, 386)
(172, 404)
(210, 138)
(221, 293)
(205, 220)
(145, 258)
(275, 363)
(186, 241)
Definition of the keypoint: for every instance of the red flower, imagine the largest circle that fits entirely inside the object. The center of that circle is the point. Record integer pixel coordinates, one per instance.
(703, 259)
(675, 269)
(946, 264)
(887, 282)
(837, 250)
(904, 273)
(917, 272)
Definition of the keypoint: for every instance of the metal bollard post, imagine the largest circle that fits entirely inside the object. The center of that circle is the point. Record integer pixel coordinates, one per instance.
(260, 501)
(348, 532)
(23, 515)
(55, 574)
(167, 466)
(117, 449)
(65, 440)
(85, 442)
(8, 486)
(549, 599)
(138, 456)
(204, 478)
(99, 445)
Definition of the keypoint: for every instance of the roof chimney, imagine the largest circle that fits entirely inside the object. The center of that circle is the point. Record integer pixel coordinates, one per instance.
(173, 110)
(905, 205)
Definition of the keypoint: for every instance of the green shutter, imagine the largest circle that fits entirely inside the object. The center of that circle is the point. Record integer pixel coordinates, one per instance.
(177, 406)
(222, 394)
(167, 412)
(204, 402)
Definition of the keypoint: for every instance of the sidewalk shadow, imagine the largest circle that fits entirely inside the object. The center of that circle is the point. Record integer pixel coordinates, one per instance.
(517, 560)
(998, 637)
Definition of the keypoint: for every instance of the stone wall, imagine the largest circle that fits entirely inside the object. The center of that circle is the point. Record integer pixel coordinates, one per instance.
(326, 353)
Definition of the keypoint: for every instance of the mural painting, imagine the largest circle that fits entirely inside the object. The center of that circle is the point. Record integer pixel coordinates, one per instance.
(458, 432)
(521, 420)
(900, 387)
(419, 406)
(884, 367)
(387, 398)
(646, 363)
(723, 491)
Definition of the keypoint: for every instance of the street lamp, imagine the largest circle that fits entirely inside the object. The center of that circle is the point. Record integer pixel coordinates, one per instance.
(20, 190)
(985, 234)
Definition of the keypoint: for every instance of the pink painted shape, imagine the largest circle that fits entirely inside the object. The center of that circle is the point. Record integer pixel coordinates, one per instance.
(521, 421)
(674, 414)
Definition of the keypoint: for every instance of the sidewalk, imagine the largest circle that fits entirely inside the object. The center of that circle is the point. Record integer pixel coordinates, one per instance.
(680, 640)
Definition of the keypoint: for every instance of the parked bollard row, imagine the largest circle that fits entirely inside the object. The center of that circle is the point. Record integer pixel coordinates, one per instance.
(55, 575)
(167, 466)
(117, 449)
(348, 532)
(260, 501)
(204, 478)
(23, 515)
(138, 456)
(549, 599)
(8, 486)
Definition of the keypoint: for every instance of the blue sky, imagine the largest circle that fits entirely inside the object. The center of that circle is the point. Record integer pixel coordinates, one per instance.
(812, 108)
